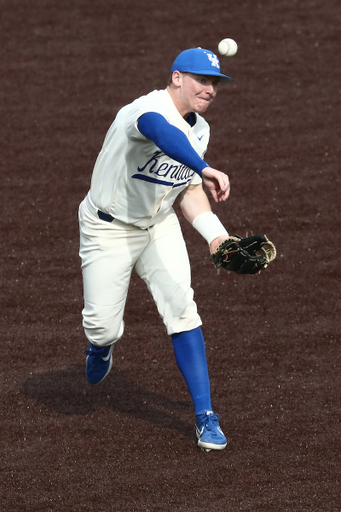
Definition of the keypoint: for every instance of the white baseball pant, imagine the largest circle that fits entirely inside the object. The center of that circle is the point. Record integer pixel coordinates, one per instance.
(111, 251)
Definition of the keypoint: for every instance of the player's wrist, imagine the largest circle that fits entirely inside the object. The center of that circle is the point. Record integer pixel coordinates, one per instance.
(217, 241)
(209, 226)
(204, 166)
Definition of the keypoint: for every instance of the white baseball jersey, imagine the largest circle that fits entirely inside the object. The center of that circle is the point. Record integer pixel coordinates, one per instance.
(133, 180)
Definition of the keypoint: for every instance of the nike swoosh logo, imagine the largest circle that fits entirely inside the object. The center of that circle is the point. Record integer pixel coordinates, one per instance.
(199, 432)
(106, 358)
(201, 136)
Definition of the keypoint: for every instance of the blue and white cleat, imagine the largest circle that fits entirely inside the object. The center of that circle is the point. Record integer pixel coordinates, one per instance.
(98, 363)
(209, 433)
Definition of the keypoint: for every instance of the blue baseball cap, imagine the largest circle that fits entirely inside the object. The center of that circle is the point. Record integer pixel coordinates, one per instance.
(199, 62)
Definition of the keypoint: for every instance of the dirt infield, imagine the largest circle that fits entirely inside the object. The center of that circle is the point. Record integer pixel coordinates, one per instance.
(273, 340)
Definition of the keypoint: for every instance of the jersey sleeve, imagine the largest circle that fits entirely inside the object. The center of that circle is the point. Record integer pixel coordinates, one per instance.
(130, 126)
(172, 141)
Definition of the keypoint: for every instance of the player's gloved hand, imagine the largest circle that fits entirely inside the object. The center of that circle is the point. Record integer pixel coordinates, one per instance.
(244, 255)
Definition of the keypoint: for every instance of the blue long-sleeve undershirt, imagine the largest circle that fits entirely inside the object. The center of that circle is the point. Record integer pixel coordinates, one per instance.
(172, 141)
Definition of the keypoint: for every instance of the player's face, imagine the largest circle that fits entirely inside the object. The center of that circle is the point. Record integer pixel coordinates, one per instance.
(197, 92)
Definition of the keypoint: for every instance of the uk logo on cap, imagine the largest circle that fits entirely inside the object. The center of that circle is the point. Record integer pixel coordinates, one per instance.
(214, 60)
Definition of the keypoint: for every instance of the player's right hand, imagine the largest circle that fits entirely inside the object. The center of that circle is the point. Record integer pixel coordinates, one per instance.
(217, 182)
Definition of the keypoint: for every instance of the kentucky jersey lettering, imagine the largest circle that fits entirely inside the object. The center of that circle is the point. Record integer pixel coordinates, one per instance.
(177, 174)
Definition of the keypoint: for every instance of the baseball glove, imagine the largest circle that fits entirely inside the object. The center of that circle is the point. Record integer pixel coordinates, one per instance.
(244, 255)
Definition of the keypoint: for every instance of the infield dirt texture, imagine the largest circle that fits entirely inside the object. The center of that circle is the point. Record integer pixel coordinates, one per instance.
(273, 340)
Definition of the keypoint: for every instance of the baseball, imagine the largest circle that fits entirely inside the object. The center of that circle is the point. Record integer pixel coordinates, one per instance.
(227, 47)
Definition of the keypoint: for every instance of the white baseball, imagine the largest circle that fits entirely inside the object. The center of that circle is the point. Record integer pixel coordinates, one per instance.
(227, 47)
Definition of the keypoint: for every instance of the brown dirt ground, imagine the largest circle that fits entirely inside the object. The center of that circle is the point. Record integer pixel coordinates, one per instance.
(273, 340)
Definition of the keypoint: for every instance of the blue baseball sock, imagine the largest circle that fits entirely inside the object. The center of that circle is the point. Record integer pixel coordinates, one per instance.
(190, 355)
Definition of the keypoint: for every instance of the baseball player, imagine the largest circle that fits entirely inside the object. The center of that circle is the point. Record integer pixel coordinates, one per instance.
(153, 154)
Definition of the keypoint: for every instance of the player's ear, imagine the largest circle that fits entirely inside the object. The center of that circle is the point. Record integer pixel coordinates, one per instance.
(177, 78)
